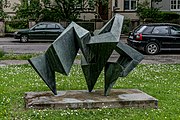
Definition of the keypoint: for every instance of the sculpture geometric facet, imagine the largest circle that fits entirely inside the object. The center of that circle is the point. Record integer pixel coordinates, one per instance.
(96, 51)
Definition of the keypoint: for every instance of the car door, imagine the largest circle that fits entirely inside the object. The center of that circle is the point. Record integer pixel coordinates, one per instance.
(175, 34)
(162, 35)
(53, 31)
(38, 31)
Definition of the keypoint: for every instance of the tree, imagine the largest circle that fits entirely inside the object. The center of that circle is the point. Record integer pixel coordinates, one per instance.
(144, 11)
(28, 10)
(2, 13)
(67, 10)
(70, 9)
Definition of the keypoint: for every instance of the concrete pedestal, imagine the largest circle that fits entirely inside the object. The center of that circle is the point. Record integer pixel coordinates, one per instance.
(78, 99)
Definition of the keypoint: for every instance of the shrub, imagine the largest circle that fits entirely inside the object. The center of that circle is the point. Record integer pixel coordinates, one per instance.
(12, 26)
(2, 53)
(127, 26)
(170, 15)
(9, 29)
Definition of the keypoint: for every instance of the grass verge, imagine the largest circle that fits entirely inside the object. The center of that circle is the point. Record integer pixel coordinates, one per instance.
(12, 56)
(25, 56)
(161, 81)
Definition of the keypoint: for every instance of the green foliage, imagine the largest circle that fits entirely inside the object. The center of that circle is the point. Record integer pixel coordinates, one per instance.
(18, 24)
(127, 26)
(9, 29)
(12, 56)
(168, 16)
(67, 10)
(2, 13)
(144, 11)
(13, 25)
(2, 53)
(159, 80)
(49, 15)
(27, 10)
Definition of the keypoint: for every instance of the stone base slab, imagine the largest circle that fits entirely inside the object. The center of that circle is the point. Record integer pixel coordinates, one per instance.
(79, 99)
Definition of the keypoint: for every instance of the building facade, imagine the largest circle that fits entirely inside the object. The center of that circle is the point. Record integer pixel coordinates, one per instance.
(7, 7)
(124, 7)
(168, 5)
(128, 7)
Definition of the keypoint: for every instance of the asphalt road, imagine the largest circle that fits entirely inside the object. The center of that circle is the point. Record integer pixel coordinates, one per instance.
(11, 45)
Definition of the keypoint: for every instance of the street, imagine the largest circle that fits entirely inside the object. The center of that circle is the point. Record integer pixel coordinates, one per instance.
(11, 45)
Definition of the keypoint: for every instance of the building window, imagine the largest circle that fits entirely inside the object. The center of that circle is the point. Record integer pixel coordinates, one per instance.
(175, 5)
(116, 3)
(130, 4)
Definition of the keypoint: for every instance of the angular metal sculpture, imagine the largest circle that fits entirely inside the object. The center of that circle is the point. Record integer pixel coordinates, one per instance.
(96, 51)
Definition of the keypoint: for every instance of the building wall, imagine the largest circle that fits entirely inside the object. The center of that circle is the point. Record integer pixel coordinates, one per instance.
(7, 6)
(163, 6)
(87, 16)
(128, 14)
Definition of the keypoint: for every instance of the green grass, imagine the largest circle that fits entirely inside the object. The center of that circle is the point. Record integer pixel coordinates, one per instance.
(2, 53)
(160, 81)
(12, 56)
(25, 56)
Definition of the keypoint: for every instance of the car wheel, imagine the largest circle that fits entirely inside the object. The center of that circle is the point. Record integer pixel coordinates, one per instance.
(152, 48)
(24, 38)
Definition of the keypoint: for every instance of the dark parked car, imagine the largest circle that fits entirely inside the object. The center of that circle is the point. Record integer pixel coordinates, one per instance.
(155, 37)
(40, 31)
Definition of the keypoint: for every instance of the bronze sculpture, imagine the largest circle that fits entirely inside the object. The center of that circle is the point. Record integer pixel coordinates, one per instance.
(96, 51)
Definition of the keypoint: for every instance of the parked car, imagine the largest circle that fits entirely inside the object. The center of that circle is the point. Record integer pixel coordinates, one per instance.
(155, 37)
(40, 31)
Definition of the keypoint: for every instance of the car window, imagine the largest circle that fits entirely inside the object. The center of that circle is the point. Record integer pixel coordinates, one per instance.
(175, 30)
(148, 30)
(140, 29)
(160, 30)
(57, 27)
(51, 26)
(40, 27)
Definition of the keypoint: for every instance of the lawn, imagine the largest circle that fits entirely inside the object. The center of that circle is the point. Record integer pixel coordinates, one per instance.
(160, 81)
